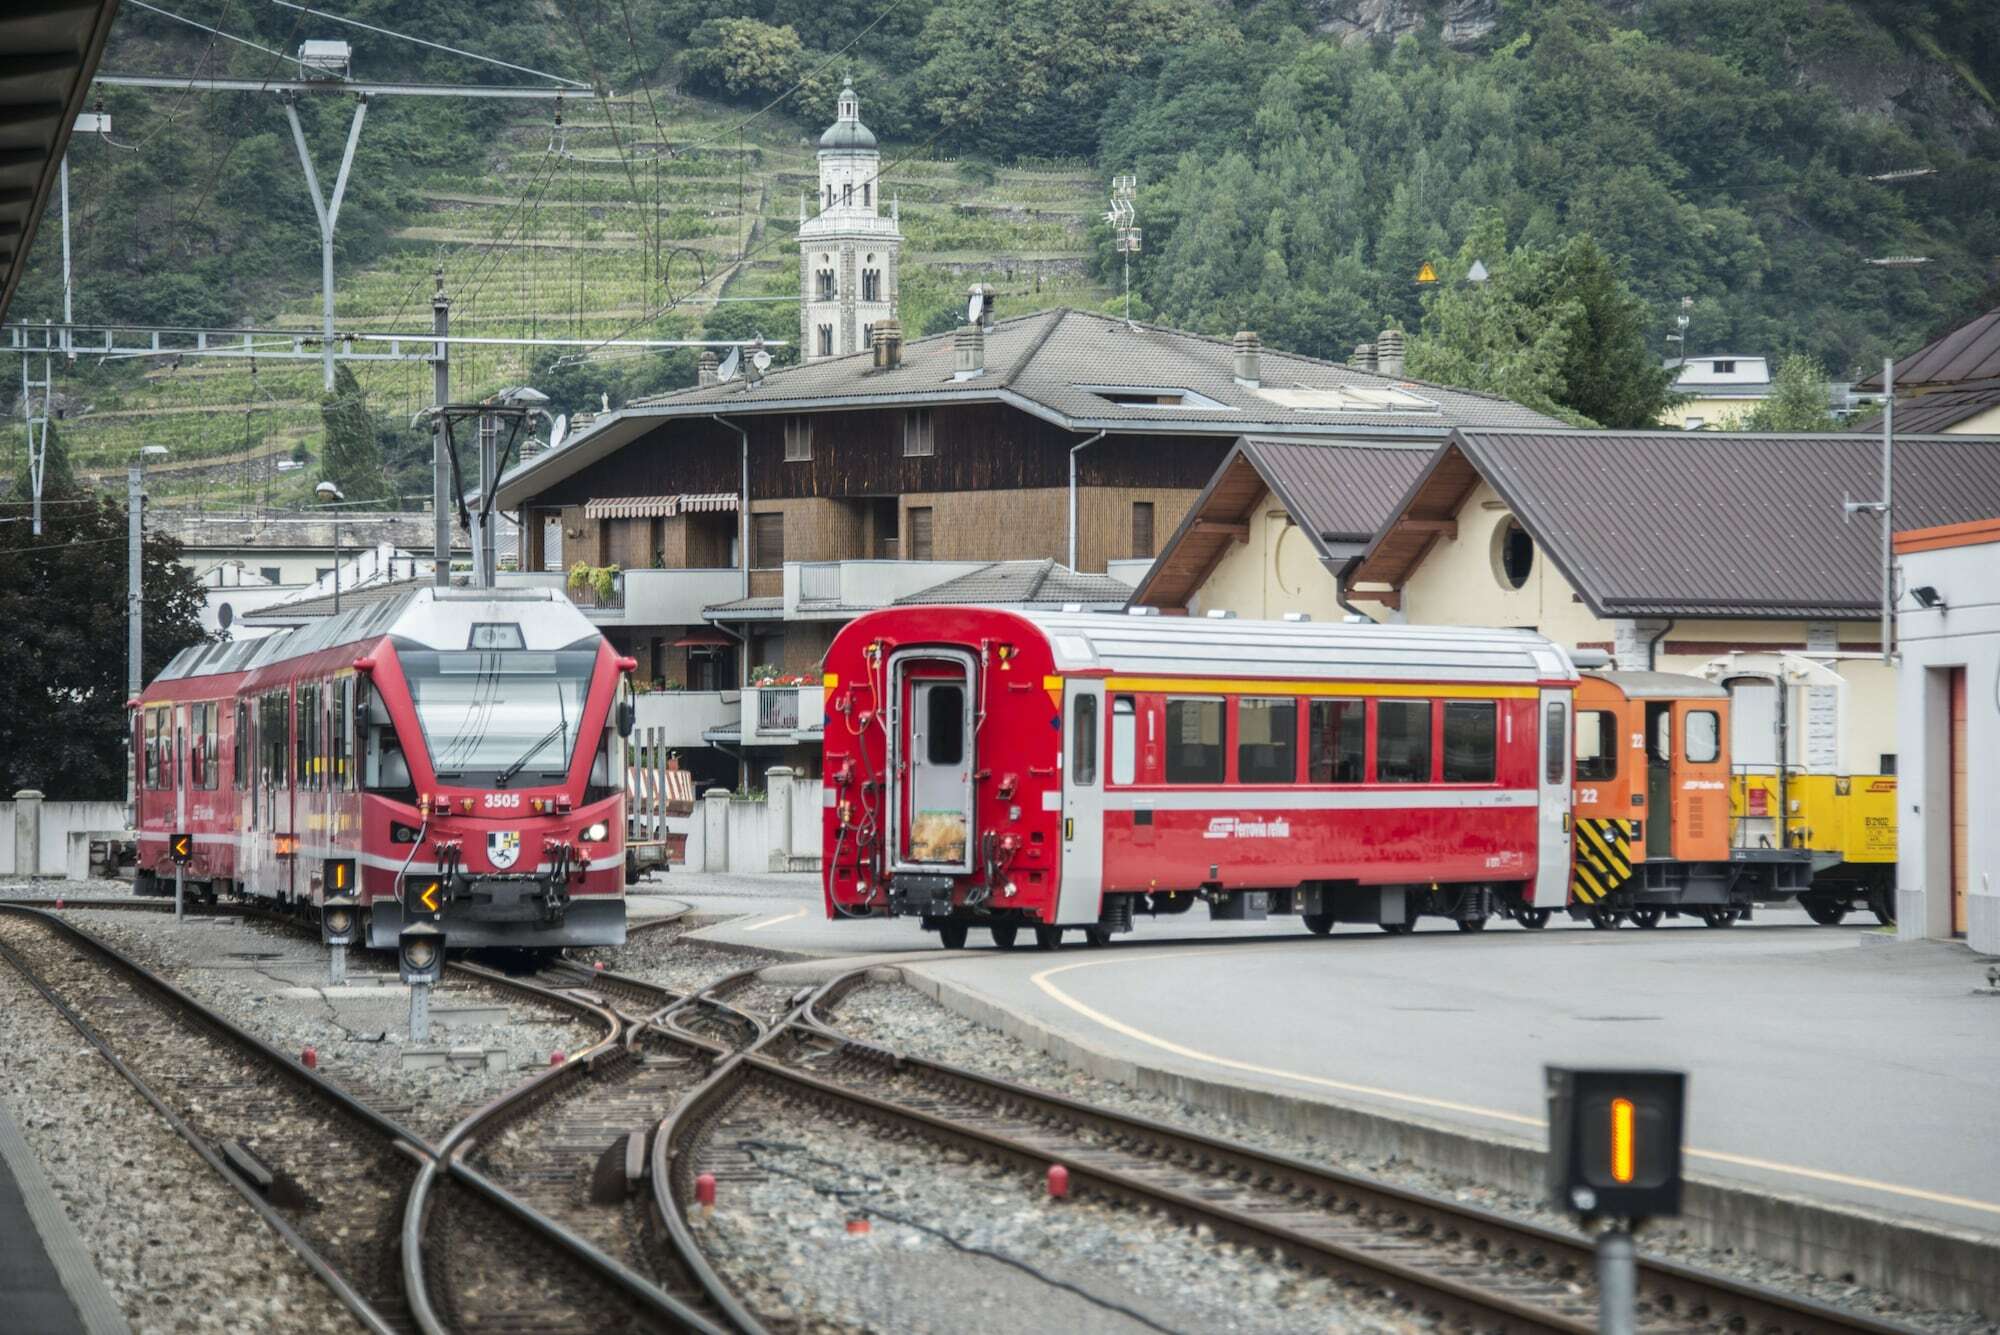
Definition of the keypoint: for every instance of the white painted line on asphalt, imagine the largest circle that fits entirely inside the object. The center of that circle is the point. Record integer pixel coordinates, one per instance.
(1064, 999)
(773, 922)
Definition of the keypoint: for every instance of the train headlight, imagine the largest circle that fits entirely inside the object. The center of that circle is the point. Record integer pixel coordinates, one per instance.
(596, 832)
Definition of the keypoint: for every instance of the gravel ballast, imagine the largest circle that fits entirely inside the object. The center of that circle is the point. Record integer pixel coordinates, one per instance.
(272, 982)
(181, 1251)
(905, 1020)
(954, 1245)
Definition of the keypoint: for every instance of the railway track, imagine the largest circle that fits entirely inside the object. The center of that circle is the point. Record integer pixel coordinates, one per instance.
(1450, 1262)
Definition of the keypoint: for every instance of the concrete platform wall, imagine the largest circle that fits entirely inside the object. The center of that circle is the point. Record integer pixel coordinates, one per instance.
(41, 838)
(777, 832)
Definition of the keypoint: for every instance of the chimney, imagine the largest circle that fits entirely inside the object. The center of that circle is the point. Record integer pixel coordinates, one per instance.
(969, 352)
(1389, 353)
(705, 369)
(888, 344)
(1244, 363)
(1363, 358)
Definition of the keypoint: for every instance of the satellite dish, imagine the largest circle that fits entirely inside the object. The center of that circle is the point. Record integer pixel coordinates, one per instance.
(973, 306)
(761, 359)
(558, 429)
(224, 614)
(727, 371)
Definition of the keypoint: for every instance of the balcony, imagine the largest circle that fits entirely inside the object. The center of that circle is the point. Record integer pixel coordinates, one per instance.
(774, 715)
(641, 597)
(840, 588)
(679, 718)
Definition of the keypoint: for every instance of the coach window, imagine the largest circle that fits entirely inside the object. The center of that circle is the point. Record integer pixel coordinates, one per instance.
(1470, 730)
(211, 725)
(1701, 743)
(1267, 740)
(302, 736)
(1124, 739)
(1194, 740)
(1403, 741)
(1596, 745)
(239, 749)
(1338, 735)
(1555, 762)
(150, 721)
(1083, 741)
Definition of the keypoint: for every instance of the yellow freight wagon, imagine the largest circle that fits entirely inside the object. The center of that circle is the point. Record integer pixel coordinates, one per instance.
(1847, 820)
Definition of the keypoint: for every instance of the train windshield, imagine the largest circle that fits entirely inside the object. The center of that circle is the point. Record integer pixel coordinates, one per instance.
(498, 717)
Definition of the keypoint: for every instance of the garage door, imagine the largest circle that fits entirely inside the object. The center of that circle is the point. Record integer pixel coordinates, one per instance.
(1961, 801)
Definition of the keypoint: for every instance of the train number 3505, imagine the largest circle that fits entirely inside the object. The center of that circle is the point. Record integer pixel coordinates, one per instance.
(497, 801)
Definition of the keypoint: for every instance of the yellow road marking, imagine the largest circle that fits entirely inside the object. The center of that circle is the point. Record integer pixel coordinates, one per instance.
(1064, 999)
(773, 922)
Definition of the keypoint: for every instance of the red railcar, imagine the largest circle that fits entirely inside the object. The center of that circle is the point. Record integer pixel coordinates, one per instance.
(1010, 770)
(473, 736)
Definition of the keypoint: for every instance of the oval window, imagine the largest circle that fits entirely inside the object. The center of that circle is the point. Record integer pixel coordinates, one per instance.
(1513, 554)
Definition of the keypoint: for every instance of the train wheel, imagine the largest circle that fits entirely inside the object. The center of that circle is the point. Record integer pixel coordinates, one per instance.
(1003, 935)
(1098, 935)
(1532, 919)
(1472, 924)
(1319, 924)
(1648, 918)
(1719, 917)
(1606, 920)
(952, 935)
(1825, 912)
(1048, 938)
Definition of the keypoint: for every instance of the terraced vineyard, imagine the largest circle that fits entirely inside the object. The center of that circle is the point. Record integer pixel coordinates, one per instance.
(585, 232)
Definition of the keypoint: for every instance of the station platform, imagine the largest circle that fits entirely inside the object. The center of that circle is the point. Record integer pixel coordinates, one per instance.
(48, 1283)
(1828, 1063)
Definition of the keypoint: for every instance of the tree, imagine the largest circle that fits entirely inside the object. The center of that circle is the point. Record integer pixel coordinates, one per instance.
(743, 58)
(62, 696)
(1555, 330)
(1801, 399)
(351, 455)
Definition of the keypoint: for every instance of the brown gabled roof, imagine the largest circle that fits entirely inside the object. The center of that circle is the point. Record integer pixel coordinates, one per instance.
(1969, 352)
(1939, 410)
(1696, 523)
(1338, 492)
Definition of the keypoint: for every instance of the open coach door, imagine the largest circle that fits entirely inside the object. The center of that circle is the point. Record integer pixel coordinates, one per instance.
(933, 734)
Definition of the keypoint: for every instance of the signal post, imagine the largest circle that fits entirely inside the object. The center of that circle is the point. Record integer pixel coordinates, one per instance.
(420, 948)
(181, 847)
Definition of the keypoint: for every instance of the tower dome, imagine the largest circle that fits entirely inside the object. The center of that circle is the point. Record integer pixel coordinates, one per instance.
(847, 134)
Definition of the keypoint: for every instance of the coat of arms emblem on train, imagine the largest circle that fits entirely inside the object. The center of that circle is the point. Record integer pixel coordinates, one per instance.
(503, 847)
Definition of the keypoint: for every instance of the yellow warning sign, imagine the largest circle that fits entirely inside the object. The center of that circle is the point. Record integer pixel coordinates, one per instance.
(1426, 274)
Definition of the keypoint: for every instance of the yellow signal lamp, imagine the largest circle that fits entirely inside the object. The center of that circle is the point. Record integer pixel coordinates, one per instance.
(1615, 1141)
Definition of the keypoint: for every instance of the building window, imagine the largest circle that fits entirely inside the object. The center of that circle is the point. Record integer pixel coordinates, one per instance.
(823, 286)
(1403, 741)
(826, 340)
(847, 194)
(321, 572)
(1471, 730)
(767, 541)
(272, 574)
(919, 441)
(798, 440)
(1513, 554)
(864, 194)
(868, 335)
(1267, 738)
(1142, 530)
(1194, 740)
(871, 285)
(920, 532)
(1694, 424)
(1724, 368)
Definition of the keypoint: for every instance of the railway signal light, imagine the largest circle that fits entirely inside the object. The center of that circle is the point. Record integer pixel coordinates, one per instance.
(181, 848)
(420, 953)
(339, 916)
(1615, 1141)
(424, 898)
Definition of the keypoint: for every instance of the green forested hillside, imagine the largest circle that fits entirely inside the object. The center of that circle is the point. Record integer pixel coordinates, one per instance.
(1298, 162)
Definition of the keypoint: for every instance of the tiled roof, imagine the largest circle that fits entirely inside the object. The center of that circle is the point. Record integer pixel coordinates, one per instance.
(1969, 352)
(1025, 584)
(1937, 411)
(1698, 523)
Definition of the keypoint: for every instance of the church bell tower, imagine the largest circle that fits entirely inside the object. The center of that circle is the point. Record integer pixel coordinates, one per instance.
(847, 246)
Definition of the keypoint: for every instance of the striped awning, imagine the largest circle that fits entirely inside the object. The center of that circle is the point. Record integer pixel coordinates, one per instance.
(657, 507)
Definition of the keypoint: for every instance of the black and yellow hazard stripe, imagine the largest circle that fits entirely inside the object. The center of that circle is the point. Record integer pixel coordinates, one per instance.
(1603, 858)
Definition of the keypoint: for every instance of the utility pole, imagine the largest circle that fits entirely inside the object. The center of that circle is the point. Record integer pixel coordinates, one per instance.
(1888, 510)
(484, 574)
(440, 461)
(327, 211)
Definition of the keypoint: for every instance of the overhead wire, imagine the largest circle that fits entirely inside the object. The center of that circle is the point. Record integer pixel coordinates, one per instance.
(215, 32)
(420, 41)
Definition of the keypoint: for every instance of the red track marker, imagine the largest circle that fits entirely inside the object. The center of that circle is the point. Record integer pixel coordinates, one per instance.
(704, 1191)
(1058, 1182)
(857, 1227)
(310, 1058)
(557, 1058)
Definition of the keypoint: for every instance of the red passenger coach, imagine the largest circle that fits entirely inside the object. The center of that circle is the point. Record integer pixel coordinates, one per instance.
(1001, 769)
(465, 742)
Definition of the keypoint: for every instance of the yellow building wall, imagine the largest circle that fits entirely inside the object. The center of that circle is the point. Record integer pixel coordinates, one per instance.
(1979, 424)
(1275, 572)
(1715, 414)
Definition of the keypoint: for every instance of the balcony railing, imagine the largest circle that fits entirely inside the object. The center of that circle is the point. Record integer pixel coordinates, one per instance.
(782, 713)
